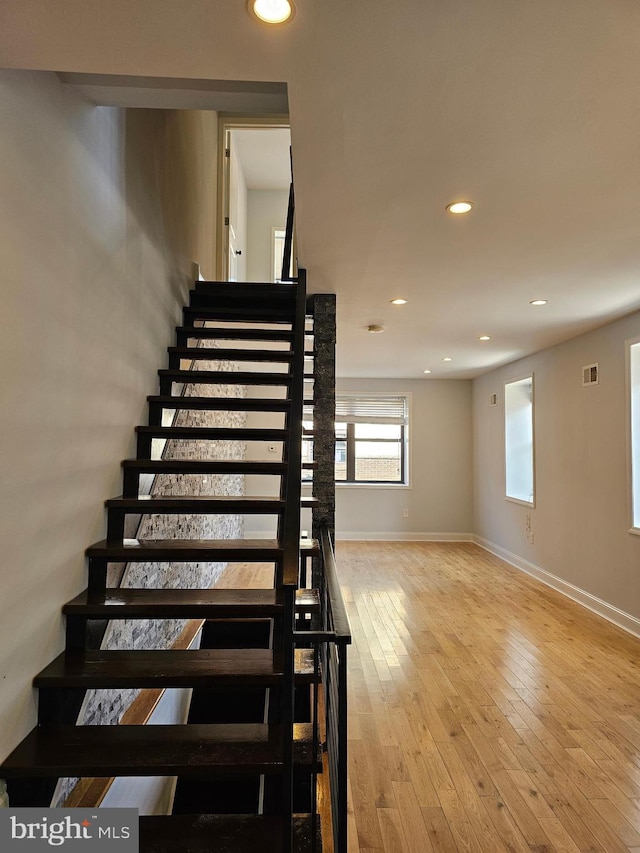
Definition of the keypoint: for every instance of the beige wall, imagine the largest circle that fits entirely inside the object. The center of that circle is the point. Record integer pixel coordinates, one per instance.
(267, 209)
(101, 214)
(439, 496)
(581, 517)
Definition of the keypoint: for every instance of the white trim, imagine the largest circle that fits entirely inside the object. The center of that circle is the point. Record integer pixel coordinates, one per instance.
(521, 502)
(596, 605)
(368, 536)
(628, 344)
(383, 484)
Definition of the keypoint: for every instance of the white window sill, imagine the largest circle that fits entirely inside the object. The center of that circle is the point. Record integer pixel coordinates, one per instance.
(392, 486)
(530, 504)
(634, 530)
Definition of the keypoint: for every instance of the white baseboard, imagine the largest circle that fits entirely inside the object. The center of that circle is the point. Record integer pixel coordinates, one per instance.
(602, 608)
(368, 536)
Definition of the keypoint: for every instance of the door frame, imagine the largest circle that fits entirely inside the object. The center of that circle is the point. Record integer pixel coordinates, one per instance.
(226, 123)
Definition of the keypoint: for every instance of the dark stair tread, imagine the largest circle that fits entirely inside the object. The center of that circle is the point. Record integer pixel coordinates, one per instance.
(171, 668)
(307, 600)
(195, 750)
(225, 377)
(226, 333)
(260, 313)
(244, 294)
(204, 833)
(198, 504)
(233, 404)
(213, 433)
(175, 603)
(212, 603)
(204, 466)
(309, 547)
(220, 354)
(244, 288)
(209, 466)
(203, 550)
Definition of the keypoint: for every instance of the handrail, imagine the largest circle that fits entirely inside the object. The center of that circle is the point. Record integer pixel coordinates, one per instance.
(288, 238)
(339, 618)
(329, 638)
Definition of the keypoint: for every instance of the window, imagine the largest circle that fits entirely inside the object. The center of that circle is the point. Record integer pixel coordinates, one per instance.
(371, 439)
(277, 253)
(518, 440)
(278, 236)
(634, 431)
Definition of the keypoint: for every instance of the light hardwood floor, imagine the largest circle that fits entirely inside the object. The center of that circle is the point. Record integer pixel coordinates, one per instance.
(486, 712)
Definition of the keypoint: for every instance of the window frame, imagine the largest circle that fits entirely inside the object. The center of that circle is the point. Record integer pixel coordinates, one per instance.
(515, 381)
(350, 443)
(634, 527)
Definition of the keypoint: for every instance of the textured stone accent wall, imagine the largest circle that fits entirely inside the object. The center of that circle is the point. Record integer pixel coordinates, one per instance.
(323, 309)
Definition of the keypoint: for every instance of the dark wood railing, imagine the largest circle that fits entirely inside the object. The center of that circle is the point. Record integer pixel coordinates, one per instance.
(330, 643)
(288, 238)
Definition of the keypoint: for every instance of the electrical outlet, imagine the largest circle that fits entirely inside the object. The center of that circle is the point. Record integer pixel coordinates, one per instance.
(405, 513)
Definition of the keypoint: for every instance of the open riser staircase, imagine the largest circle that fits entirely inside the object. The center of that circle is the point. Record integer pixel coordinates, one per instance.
(246, 759)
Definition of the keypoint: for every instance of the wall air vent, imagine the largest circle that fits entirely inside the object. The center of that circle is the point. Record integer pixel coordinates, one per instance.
(590, 374)
(493, 399)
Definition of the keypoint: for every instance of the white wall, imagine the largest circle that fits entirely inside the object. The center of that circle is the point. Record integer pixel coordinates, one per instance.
(267, 209)
(439, 495)
(98, 213)
(581, 517)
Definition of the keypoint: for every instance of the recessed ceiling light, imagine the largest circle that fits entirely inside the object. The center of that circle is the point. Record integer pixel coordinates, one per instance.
(426, 371)
(538, 302)
(447, 358)
(272, 11)
(374, 328)
(484, 338)
(459, 207)
(399, 301)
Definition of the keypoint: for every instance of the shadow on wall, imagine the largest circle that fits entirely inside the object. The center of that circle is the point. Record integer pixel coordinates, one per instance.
(170, 163)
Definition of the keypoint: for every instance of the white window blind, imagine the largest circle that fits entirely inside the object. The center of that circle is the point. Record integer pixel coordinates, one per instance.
(371, 410)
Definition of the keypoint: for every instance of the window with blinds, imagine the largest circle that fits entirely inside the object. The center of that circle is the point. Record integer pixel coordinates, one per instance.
(371, 439)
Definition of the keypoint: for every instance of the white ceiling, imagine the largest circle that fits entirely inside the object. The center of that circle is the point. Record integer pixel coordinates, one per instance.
(530, 108)
(264, 156)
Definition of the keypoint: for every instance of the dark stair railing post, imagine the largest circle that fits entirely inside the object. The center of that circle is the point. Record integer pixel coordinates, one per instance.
(290, 534)
(288, 238)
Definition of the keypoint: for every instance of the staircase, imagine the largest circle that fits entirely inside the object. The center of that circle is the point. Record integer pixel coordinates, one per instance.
(246, 758)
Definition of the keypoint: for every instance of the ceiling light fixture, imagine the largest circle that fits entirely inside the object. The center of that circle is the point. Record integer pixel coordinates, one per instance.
(272, 11)
(484, 338)
(447, 358)
(538, 302)
(374, 328)
(426, 371)
(399, 301)
(460, 207)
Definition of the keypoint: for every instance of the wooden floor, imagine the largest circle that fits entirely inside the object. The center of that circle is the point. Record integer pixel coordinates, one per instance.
(487, 712)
